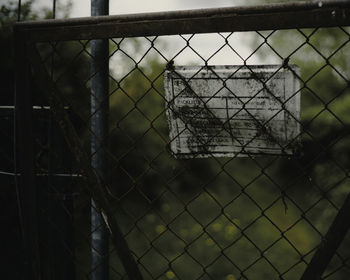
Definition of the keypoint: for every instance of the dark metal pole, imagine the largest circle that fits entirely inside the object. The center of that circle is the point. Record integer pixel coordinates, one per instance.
(231, 19)
(329, 244)
(25, 157)
(99, 131)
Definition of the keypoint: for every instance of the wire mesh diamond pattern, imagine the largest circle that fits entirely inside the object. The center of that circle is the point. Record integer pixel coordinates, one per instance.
(253, 217)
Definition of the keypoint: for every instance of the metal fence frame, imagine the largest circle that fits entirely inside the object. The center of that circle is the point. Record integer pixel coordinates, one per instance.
(255, 18)
(250, 18)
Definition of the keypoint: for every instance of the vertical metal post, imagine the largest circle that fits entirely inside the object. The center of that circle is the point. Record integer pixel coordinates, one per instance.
(99, 131)
(25, 157)
(58, 218)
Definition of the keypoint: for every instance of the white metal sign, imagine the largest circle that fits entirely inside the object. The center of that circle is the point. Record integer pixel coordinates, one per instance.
(227, 111)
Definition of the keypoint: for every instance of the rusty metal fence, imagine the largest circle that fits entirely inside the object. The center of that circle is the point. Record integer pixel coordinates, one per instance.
(261, 216)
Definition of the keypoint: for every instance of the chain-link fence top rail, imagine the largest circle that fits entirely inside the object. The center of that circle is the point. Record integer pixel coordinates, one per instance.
(257, 217)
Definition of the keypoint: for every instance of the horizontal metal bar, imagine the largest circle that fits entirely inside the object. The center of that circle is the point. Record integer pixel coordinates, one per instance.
(245, 18)
(34, 107)
(8, 173)
(43, 174)
(59, 175)
(239, 10)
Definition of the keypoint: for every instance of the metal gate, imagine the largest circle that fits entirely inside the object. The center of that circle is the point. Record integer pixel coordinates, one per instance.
(254, 217)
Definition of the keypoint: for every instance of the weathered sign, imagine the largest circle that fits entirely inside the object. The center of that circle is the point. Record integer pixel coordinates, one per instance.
(227, 111)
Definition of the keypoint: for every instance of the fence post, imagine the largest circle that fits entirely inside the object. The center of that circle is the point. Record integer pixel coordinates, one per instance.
(25, 157)
(329, 244)
(99, 132)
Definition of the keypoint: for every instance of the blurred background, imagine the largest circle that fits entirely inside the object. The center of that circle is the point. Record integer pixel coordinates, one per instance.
(257, 217)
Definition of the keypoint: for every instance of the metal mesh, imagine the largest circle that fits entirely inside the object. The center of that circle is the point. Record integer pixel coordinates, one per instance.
(258, 217)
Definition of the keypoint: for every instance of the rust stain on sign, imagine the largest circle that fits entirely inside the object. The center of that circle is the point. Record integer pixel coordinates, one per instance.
(228, 111)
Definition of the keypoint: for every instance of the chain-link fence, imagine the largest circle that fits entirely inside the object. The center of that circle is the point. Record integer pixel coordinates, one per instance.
(200, 171)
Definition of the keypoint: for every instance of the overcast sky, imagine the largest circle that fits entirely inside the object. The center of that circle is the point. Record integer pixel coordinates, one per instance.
(82, 7)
